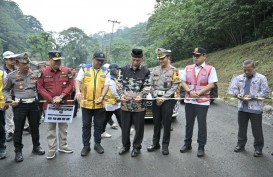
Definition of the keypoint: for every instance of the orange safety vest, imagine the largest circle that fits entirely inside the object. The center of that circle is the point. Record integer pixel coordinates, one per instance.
(198, 82)
(92, 86)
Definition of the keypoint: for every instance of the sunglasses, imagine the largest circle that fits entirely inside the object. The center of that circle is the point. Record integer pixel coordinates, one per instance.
(197, 55)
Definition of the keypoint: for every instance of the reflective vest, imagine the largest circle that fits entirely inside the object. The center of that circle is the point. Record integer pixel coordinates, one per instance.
(2, 100)
(109, 98)
(198, 82)
(92, 86)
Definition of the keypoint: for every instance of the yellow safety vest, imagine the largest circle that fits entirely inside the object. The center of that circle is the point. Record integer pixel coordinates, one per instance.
(109, 98)
(2, 100)
(92, 86)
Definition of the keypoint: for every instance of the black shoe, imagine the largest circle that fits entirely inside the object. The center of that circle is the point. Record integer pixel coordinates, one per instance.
(9, 137)
(123, 150)
(27, 129)
(38, 150)
(257, 153)
(165, 150)
(201, 152)
(99, 148)
(153, 148)
(85, 150)
(19, 156)
(3, 153)
(135, 152)
(185, 148)
(239, 148)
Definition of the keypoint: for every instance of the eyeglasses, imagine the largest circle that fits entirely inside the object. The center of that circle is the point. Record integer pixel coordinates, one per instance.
(196, 55)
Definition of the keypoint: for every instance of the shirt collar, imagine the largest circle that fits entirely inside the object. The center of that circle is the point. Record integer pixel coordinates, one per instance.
(202, 65)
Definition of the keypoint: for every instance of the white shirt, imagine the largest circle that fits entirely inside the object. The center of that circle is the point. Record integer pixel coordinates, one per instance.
(212, 79)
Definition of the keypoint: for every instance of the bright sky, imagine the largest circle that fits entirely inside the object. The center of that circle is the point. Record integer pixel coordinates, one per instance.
(89, 15)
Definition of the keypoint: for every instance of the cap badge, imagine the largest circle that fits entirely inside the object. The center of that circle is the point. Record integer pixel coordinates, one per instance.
(25, 56)
(57, 54)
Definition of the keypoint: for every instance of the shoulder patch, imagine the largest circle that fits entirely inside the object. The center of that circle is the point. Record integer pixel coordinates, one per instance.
(39, 74)
(69, 75)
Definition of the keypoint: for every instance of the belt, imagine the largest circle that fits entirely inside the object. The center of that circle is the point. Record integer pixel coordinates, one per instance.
(25, 100)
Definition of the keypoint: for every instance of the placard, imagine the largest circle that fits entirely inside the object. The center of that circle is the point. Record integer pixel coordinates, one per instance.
(63, 114)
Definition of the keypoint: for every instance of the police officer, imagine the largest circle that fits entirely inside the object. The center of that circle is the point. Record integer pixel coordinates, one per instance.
(23, 82)
(135, 80)
(197, 80)
(55, 84)
(165, 81)
(2, 116)
(92, 85)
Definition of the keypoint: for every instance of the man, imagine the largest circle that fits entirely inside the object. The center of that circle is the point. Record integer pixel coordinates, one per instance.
(112, 103)
(250, 88)
(165, 81)
(23, 83)
(135, 80)
(197, 80)
(2, 116)
(9, 66)
(55, 85)
(91, 87)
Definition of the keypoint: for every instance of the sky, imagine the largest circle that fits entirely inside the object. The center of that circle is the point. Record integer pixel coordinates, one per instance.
(89, 15)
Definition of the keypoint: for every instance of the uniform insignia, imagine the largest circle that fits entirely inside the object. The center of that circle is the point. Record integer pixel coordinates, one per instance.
(195, 50)
(48, 76)
(64, 83)
(101, 55)
(204, 73)
(39, 74)
(69, 75)
(62, 75)
(25, 56)
(57, 54)
(87, 74)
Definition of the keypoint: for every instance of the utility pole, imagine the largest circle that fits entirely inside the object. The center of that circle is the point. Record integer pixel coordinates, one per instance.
(111, 38)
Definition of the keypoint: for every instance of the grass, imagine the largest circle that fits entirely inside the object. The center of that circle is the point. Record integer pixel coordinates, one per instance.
(229, 62)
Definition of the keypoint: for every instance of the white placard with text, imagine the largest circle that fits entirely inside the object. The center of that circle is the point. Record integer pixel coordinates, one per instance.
(63, 114)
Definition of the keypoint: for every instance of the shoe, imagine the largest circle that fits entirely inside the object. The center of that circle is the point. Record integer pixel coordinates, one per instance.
(66, 150)
(114, 126)
(123, 150)
(132, 131)
(85, 150)
(19, 156)
(135, 152)
(27, 129)
(99, 148)
(257, 153)
(239, 148)
(38, 150)
(3, 153)
(185, 148)
(165, 150)
(153, 148)
(201, 152)
(51, 154)
(9, 137)
(106, 135)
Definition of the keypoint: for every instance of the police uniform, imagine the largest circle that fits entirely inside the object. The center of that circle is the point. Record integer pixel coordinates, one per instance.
(135, 82)
(24, 87)
(165, 82)
(56, 83)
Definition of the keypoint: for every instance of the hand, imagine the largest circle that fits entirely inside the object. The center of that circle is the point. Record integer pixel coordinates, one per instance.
(240, 97)
(14, 104)
(159, 101)
(193, 94)
(5, 106)
(99, 100)
(56, 105)
(138, 99)
(57, 99)
(123, 99)
(78, 96)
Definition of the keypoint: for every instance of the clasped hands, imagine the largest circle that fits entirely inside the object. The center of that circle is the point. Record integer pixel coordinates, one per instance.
(125, 98)
(244, 97)
(56, 101)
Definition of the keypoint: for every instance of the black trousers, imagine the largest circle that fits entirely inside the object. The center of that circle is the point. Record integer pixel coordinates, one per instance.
(162, 115)
(32, 112)
(257, 129)
(76, 103)
(108, 116)
(2, 130)
(87, 115)
(129, 118)
(199, 111)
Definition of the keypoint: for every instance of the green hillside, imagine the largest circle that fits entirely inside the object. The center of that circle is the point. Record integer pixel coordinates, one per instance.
(229, 62)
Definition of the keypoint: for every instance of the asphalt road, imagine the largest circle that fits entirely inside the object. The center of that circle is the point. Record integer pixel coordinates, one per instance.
(220, 160)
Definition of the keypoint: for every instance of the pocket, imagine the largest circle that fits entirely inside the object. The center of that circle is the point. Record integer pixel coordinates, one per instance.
(64, 82)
